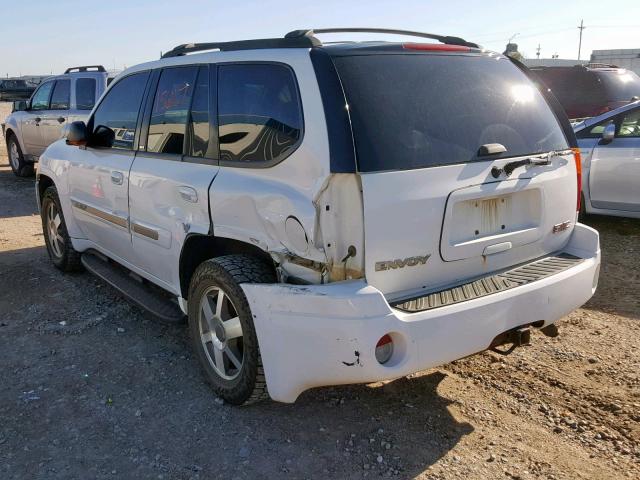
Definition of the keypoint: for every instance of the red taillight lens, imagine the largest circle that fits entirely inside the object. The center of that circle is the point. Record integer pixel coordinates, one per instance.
(435, 47)
(384, 349)
(578, 159)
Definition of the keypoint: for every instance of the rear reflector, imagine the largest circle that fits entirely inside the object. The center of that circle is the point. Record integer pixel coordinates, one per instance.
(578, 159)
(384, 349)
(435, 47)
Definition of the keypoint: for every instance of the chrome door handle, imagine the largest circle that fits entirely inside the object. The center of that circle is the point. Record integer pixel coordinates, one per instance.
(117, 177)
(37, 119)
(61, 119)
(188, 194)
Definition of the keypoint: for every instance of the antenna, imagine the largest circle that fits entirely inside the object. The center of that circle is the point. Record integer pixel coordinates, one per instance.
(581, 27)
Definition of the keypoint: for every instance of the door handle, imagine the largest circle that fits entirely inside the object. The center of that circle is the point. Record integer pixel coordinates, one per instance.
(117, 177)
(188, 194)
(61, 119)
(38, 119)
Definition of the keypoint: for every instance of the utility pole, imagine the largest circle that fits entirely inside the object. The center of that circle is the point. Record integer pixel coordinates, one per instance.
(581, 28)
(538, 52)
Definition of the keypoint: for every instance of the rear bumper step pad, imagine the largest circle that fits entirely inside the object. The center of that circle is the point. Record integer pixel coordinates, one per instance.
(489, 285)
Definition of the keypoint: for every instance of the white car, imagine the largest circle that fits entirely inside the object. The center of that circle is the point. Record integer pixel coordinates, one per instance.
(38, 122)
(327, 214)
(610, 146)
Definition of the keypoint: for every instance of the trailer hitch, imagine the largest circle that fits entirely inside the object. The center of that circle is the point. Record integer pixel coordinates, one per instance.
(517, 337)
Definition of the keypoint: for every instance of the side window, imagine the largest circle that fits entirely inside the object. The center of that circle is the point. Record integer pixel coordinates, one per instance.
(259, 114)
(119, 109)
(40, 99)
(630, 125)
(199, 122)
(595, 131)
(170, 111)
(60, 98)
(85, 93)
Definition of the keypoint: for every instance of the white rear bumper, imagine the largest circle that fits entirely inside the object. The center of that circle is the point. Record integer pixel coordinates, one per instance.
(321, 335)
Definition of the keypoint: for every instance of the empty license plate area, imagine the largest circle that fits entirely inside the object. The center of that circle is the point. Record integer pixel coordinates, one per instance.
(475, 221)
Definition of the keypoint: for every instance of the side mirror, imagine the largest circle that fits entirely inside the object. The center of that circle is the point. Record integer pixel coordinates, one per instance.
(19, 106)
(77, 134)
(609, 133)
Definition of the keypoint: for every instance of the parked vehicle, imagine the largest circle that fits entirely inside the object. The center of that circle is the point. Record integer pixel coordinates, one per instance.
(610, 146)
(591, 90)
(327, 214)
(35, 124)
(15, 89)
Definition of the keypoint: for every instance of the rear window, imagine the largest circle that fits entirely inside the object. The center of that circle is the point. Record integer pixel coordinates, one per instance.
(620, 85)
(575, 88)
(414, 111)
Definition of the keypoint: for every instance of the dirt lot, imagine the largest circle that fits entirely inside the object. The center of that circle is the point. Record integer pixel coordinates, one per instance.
(94, 388)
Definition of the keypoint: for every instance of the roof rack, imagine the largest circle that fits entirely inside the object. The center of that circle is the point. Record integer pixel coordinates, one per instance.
(449, 40)
(600, 65)
(303, 39)
(85, 68)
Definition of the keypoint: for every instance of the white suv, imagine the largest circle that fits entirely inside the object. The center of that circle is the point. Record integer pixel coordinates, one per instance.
(327, 214)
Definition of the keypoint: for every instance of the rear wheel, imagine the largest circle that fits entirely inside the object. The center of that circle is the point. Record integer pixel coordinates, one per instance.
(221, 326)
(19, 166)
(56, 237)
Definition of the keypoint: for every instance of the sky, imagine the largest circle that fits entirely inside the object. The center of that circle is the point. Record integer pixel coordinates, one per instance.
(41, 37)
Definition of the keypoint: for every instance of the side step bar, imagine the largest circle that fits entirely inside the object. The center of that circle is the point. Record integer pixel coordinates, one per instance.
(138, 292)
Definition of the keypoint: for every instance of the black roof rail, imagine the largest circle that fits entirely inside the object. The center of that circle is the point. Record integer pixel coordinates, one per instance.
(309, 33)
(299, 42)
(85, 68)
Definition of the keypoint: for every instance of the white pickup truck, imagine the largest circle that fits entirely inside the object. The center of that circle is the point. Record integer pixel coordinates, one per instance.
(36, 123)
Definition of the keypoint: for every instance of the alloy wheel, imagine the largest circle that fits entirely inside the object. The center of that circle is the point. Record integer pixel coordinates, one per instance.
(56, 240)
(14, 155)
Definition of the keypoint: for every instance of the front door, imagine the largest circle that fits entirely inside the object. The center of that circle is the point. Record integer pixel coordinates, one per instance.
(54, 119)
(614, 180)
(172, 172)
(31, 121)
(99, 177)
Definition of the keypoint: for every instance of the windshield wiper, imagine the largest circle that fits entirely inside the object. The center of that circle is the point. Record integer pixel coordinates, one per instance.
(537, 160)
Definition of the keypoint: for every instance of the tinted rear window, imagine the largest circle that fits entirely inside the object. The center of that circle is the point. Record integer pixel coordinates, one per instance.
(574, 88)
(414, 111)
(621, 86)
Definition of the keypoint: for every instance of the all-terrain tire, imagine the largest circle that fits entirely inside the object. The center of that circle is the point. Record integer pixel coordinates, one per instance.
(19, 166)
(227, 273)
(62, 254)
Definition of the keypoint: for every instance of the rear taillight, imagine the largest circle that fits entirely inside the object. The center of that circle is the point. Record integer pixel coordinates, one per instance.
(578, 160)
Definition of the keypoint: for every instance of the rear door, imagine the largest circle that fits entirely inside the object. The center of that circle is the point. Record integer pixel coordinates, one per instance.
(614, 180)
(56, 116)
(434, 214)
(173, 169)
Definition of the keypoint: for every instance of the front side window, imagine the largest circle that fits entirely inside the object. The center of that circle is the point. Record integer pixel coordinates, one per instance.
(594, 131)
(40, 99)
(85, 93)
(170, 112)
(60, 98)
(630, 125)
(259, 113)
(119, 109)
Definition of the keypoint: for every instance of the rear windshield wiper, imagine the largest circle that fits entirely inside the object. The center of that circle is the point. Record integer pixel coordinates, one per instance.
(536, 160)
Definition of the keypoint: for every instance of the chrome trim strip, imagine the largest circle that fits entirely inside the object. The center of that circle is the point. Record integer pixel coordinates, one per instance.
(145, 231)
(101, 214)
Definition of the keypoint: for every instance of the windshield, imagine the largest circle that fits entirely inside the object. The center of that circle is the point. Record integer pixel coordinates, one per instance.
(413, 110)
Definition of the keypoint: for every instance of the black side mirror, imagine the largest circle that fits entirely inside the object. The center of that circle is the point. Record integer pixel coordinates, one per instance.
(103, 137)
(20, 106)
(77, 134)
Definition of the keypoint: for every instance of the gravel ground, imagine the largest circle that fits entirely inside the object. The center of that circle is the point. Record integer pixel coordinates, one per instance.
(92, 387)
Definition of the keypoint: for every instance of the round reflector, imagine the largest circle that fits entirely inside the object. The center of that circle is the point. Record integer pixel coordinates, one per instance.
(384, 349)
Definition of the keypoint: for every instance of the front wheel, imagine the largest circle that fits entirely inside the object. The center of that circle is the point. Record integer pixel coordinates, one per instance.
(19, 166)
(56, 237)
(221, 326)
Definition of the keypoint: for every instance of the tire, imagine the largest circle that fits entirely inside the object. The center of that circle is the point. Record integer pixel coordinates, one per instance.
(56, 237)
(19, 166)
(224, 338)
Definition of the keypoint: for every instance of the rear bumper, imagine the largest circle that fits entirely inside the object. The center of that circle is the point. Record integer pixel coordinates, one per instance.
(321, 335)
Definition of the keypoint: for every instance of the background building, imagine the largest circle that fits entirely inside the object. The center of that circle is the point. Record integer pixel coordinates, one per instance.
(628, 58)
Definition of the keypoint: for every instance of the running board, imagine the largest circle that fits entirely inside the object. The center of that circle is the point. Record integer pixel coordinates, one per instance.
(137, 291)
(482, 287)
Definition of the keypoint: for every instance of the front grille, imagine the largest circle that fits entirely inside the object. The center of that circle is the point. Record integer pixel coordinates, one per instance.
(489, 285)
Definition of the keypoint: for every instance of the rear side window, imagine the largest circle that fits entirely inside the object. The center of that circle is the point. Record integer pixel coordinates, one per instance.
(413, 111)
(120, 107)
(40, 99)
(85, 93)
(60, 98)
(199, 123)
(170, 112)
(259, 113)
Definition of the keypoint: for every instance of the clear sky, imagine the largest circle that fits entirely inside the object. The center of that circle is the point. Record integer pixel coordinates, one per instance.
(46, 36)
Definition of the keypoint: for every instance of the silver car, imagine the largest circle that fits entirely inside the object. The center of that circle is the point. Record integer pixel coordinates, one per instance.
(610, 147)
(38, 122)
